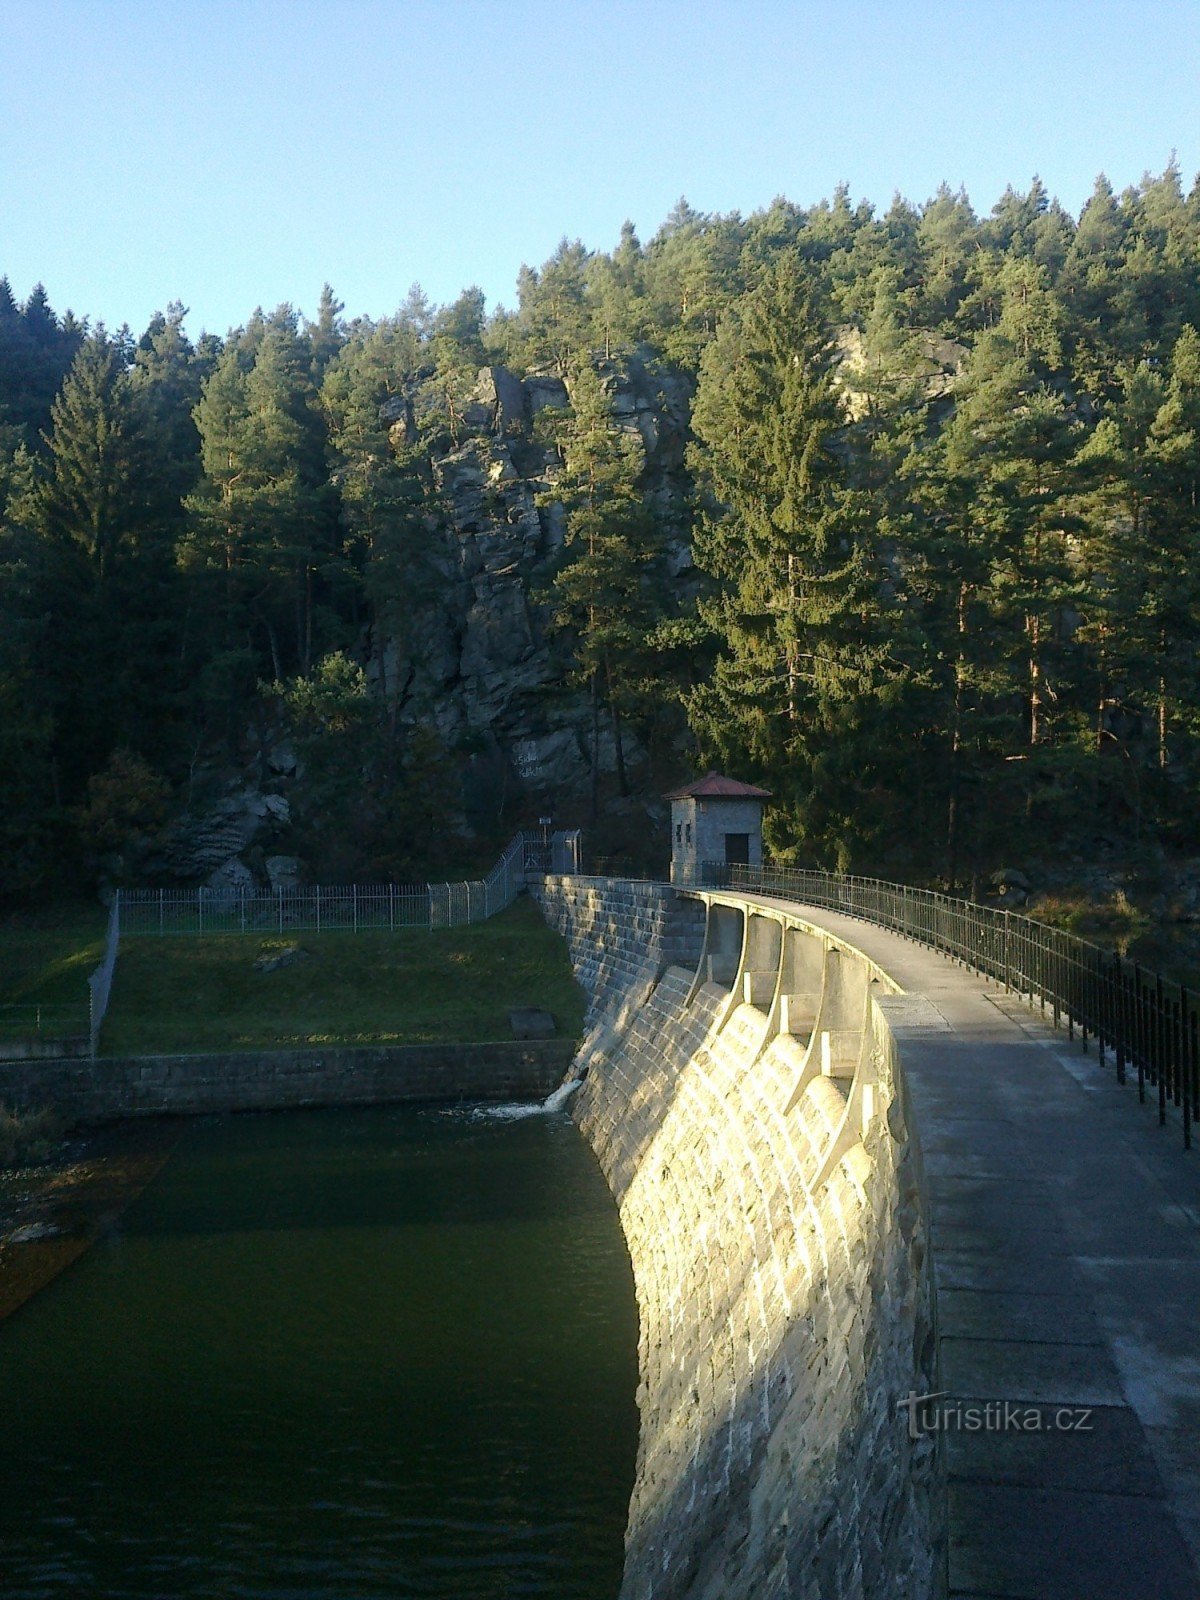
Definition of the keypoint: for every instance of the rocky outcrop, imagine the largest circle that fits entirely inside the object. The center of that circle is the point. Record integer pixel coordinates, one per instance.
(484, 668)
(206, 844)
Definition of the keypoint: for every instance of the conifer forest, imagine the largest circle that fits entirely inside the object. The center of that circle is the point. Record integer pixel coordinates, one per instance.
(895, 513)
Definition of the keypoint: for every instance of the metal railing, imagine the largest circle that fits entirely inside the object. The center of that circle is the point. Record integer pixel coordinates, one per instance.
(1149, 1024)
(357, 907)
(354, 907)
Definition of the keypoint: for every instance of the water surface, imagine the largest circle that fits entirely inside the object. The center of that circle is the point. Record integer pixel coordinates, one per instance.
(354, 1354)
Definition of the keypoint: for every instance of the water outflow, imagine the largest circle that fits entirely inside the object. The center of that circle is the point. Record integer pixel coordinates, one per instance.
(515, 1110)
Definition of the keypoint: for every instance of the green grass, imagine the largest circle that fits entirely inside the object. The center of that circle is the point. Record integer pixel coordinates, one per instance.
(45, 958)
(188, 994)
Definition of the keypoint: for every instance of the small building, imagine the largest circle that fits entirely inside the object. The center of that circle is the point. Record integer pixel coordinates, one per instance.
(715, 819)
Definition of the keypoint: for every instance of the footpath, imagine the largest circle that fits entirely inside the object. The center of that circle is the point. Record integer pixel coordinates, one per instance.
(1066, 1251)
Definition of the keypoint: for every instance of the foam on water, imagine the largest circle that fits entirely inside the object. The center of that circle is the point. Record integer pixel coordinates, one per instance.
(517, 1110)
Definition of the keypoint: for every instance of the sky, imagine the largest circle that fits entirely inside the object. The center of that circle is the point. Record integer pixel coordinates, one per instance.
(235, 155)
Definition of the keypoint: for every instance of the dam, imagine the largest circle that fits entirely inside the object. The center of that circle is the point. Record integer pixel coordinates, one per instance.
(915, 1282)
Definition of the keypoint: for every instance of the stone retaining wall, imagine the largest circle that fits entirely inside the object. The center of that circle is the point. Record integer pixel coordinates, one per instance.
(268, 1080)
(782, 1281)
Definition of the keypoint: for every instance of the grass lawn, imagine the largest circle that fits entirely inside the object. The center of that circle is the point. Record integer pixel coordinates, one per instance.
(187, 994)
(45, 958)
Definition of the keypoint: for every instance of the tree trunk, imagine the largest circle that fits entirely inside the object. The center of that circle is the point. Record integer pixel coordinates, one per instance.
(274, 643)
(793, 664)
(1035, 679)
(1162, 702)
(952, 809)
(618, 741)
(594, 809)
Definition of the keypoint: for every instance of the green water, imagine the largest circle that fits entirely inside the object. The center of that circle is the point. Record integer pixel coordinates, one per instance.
(359, 1354)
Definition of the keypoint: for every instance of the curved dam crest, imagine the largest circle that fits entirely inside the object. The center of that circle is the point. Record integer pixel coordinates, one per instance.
(744, 1101)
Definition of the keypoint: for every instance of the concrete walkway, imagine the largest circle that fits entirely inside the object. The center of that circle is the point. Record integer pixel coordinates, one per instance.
(1066, 1247)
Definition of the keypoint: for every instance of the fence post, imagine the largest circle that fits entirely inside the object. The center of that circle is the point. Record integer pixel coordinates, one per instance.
(354, 899)
(160, 913)
(391, 907)
(318, 908)
(200, 904)
(242, 907)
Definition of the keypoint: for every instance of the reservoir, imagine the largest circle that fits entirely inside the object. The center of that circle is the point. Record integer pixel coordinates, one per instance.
(369, 1353)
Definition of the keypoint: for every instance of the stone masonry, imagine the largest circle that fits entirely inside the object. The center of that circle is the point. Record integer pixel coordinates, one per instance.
(783, 1281)
(270, 1080)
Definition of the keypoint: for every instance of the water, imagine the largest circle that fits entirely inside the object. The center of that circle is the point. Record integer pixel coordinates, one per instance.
(355, 1354)
(518, 1110)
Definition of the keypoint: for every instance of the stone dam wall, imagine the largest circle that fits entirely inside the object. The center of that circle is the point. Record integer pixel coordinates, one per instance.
(274, 1080)
(744, 1099)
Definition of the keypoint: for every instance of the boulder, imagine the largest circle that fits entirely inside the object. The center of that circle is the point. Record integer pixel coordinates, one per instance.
(201, 842)
(397, 413)
(281, 758)
(545, 393)
(231, 879)
(1010, 878)
(283, 872)
(529, 1023)
(499, 396)
(273, 960)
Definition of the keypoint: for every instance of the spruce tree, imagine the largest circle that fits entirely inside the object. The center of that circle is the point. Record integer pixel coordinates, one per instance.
(803, 654)
(602, 595)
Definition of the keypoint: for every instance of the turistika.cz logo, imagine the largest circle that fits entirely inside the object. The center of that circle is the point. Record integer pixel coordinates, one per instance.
(938, 1413)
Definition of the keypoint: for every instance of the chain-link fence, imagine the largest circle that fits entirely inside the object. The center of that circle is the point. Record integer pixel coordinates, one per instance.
(357, 908)
(353, 907)
(321, 909)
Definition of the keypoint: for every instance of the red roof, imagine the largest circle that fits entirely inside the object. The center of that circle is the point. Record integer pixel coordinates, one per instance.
(712, 786)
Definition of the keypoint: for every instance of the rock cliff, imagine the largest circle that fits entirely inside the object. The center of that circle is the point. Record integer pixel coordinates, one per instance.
(482, 668)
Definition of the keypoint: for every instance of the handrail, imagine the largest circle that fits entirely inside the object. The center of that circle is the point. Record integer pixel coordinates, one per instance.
(1149, 1023)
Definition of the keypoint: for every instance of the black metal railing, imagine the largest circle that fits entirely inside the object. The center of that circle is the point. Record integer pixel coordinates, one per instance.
(1150, 1025)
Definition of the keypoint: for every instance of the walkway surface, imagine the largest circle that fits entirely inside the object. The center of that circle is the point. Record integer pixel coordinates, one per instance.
(1066, 1249)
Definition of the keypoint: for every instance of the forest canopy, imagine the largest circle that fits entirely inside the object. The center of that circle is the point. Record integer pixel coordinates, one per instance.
(907, 532)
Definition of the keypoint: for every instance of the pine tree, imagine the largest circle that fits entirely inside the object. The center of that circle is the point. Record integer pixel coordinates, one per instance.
(602, 595)
(96, 487)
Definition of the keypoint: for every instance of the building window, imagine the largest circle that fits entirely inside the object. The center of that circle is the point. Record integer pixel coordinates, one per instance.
(689, 833)
(679, 833)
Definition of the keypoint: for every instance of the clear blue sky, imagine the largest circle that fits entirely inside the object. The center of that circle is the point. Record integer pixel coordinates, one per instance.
(228, 155)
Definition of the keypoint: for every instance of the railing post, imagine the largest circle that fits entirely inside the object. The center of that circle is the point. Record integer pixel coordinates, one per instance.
(1007, 964)
(161, 928)
(318, 908)
(279, 898)
(354, 897)
(391, 907)
(1160, 1041)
